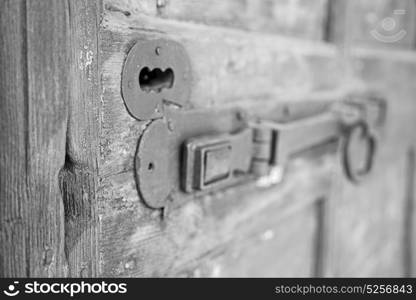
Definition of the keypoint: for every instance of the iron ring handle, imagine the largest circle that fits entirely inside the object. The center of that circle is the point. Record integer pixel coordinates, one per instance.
(353, 170)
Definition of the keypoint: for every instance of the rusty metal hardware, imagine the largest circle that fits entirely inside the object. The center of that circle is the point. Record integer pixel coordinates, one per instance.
(202, 151)
(156, 74)
(275, 142)
(182, 153)
(361, 132)
(159, 158)
(358, 151)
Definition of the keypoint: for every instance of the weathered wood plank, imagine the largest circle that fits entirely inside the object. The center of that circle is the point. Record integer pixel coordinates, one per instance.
(13, 260)
(304, 18)
(79, 179)
(380, 23)
(34, 89)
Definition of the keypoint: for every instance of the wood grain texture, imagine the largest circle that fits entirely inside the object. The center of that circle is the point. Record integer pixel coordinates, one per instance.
(79, 179)
(381, 23)
(303, 19)
(34, 91)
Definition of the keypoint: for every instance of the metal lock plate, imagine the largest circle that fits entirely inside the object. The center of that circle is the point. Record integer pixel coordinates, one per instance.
(156, 73)
(161, 154)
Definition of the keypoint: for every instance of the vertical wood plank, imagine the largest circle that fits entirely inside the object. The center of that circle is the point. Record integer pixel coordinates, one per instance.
(34, 86)
(12, 135)
(79, 178)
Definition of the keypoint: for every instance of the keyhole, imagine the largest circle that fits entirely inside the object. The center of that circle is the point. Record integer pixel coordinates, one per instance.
(155, 80)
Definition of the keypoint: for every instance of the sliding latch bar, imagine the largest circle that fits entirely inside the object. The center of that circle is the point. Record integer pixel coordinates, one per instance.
(195, 152)
(213, 160)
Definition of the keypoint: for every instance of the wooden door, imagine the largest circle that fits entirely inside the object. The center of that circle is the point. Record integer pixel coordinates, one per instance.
(69, 204)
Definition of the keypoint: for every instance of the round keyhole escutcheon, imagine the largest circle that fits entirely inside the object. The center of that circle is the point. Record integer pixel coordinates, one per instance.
(156, 74)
